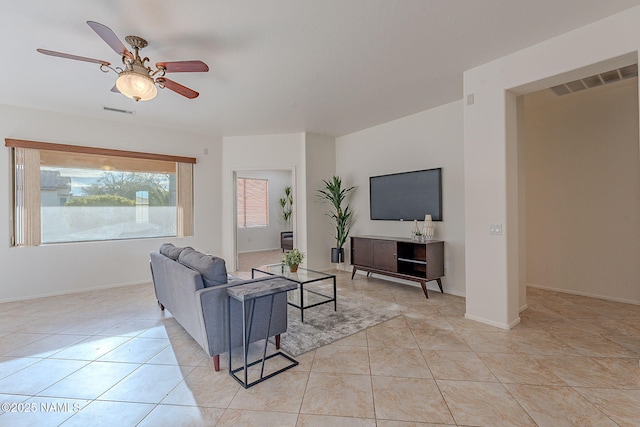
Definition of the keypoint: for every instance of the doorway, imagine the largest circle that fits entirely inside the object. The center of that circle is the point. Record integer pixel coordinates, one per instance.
(582, 178)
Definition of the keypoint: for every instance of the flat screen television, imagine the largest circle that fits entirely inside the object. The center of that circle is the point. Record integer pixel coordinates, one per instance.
(406, 196)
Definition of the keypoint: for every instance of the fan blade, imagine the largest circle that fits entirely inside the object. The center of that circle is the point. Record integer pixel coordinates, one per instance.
(74, 57)
(177, 88)
(115, 89)
(110, 38)
(183, 66)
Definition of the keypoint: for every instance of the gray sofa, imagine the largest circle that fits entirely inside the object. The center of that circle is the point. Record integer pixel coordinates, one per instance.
(193, 287)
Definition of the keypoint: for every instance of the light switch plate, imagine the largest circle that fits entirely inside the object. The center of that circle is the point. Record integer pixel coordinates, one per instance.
(495, 229)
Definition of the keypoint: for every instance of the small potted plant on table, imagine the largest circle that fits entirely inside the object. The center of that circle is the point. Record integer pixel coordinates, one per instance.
(292, 259)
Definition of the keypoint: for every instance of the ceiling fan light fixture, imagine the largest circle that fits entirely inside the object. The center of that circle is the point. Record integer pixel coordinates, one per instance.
(136, 86)
(137, 81)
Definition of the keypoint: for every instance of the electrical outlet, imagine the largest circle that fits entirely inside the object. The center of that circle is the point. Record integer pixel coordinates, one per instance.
(446, 265)
(495, 229)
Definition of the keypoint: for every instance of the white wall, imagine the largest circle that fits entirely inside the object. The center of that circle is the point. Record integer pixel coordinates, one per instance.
(262, 152)
(59, 268)
(429, 139)
(583, 191)
(309, 157)
(264, 238)
(320, 154)
(490, 150)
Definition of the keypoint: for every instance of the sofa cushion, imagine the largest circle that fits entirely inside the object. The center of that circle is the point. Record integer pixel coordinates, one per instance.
(212, 269)
(170, 251)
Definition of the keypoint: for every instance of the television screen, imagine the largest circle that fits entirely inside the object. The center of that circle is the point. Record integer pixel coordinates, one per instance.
(406, 196)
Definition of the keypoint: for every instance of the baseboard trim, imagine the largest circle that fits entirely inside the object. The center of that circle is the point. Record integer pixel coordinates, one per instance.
(259, 250)
(583, 294)
(523, 308)
(74, 291)
(505, 326)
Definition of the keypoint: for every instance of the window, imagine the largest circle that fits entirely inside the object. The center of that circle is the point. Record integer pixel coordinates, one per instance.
(74, 194)
(252, 202)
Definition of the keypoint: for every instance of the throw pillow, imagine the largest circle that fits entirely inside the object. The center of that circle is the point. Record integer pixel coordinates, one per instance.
(170, 251)
(212, 269)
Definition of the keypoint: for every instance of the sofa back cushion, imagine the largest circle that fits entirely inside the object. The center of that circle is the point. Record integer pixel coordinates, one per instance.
(212, 269)
(170, 251)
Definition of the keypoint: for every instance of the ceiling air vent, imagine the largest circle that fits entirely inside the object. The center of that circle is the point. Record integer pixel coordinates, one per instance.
(117, 110)
(596, 80)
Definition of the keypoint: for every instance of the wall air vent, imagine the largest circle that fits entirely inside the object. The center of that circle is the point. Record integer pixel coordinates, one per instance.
(117, 110)
(629, 71)
(596, 80)
(561, 90)
(593, 81)
(576, 86)
(610, 76)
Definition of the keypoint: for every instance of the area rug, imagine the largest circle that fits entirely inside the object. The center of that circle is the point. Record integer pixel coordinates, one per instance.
(323, 326)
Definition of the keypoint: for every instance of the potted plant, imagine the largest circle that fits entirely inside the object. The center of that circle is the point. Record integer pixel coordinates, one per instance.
(293, 258)
(286, 204)
(335, 195)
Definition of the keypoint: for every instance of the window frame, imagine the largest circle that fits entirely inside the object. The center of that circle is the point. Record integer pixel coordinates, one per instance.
(184, 175)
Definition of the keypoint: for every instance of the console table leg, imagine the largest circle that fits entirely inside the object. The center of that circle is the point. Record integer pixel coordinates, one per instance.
(424, 288)
(353, 273)
(440, 284)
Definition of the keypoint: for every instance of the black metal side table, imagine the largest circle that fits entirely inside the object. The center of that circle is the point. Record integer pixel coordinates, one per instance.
(248, 294)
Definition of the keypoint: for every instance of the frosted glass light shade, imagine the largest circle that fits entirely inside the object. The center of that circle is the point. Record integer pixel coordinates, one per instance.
(136, 86)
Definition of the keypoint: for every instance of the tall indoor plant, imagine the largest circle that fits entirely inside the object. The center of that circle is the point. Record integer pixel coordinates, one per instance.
(286, 204)
(335, 195)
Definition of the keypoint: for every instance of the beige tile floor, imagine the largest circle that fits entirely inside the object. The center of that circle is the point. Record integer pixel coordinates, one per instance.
(112, 357)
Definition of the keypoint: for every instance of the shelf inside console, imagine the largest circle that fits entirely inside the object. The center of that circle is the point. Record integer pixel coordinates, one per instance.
(413, 261)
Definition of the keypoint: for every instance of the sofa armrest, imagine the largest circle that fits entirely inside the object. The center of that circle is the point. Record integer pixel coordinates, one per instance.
(213, 311)
(234, 280)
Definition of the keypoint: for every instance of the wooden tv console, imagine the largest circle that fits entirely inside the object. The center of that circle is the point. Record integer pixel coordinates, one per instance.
(400, 258)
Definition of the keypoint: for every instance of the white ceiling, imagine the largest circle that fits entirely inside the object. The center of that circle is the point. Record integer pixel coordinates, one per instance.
(277, 66)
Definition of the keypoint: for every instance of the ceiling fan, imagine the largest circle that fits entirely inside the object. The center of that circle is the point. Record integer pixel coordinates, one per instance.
(136, 80)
